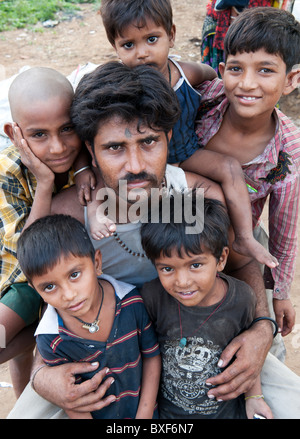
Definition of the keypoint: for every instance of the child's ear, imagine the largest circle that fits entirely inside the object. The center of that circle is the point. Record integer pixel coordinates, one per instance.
(9, 131)
(98, 262)
(222, 68)
(172, 36)
(223, 259)
(292, 80)
(90, 149)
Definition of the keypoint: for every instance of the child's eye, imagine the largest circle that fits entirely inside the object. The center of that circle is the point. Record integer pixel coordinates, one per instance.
(266, 70)
(67, 129)
(49, 288)
(167, 269)
(152, 39)
(128, 45)
(234, 69)
(75, 275)
(196, 265)
(38, 135)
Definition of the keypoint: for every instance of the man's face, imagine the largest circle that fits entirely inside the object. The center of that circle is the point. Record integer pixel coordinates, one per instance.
(122, 152)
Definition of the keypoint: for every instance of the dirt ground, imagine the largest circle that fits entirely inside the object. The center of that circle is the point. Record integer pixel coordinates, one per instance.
(82, 39)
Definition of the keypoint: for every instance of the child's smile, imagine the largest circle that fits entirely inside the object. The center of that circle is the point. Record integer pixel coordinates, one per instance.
(254, 82)
(192, 279)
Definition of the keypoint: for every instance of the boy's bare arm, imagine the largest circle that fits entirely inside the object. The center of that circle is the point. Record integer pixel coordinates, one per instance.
(227, 171)
(198, 73)
(149, 388)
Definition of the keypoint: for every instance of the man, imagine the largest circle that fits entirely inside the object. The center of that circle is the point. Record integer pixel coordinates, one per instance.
(125, 117)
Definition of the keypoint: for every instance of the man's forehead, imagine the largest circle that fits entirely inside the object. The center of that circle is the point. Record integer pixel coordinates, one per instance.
(119, 126)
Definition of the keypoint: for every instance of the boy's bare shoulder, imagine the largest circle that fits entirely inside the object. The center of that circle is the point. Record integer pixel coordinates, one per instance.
(197, 73)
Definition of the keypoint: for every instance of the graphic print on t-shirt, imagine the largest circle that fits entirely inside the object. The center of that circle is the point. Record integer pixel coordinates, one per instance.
(185, 370)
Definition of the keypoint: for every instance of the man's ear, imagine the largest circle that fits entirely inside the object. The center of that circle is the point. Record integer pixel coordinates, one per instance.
(292, 80)
(90, 149)
(9, 131)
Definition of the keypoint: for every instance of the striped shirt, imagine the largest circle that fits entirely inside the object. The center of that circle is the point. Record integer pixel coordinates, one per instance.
(274, 173)
(17, 189)
(131, 339)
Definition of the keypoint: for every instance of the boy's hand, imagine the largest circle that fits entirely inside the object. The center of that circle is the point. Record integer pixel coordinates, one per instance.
(285, 315)
(258, 406)
(85, 182)
(41, 171)
(248, 351)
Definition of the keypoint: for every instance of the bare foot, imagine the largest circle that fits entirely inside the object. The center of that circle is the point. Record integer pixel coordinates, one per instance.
(101, 228)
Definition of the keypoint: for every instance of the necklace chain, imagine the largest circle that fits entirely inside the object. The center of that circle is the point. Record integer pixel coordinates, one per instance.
(126, 248)
(183, 340)
(124, 245)
(94, 326)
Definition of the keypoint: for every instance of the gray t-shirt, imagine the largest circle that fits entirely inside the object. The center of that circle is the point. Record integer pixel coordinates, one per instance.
(183, 392)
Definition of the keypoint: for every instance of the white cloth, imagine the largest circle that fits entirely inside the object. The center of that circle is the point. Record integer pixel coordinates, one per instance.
(280, 386)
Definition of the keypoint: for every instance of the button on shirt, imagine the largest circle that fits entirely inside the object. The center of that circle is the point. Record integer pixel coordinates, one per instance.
(274, 173)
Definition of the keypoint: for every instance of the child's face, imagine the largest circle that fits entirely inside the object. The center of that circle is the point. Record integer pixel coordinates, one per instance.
(192, 280)
(71, 286)
(254, 82)
(147, 45)
(47, 128)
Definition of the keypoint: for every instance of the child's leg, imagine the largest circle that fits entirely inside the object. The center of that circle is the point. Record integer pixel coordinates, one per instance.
(100, 224)
(19, 309)
(228, 172)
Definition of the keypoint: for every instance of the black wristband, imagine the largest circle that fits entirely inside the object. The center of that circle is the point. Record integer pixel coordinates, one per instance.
(271, 320)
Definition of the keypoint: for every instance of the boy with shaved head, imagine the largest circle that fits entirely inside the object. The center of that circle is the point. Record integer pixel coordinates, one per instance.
(44, 148)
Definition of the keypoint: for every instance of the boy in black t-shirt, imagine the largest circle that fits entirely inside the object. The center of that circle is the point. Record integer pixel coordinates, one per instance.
(195, 310)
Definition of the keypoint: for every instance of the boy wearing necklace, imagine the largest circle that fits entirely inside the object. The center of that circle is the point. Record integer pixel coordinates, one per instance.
(91, 317)
(196, 312)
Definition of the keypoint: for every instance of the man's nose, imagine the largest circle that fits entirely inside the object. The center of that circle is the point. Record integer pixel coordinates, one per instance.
(135, 163)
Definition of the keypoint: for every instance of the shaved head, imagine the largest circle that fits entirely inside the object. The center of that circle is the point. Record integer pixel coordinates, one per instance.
(35, 85)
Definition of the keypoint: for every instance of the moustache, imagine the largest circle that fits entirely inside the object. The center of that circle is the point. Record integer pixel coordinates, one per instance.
(142, 176)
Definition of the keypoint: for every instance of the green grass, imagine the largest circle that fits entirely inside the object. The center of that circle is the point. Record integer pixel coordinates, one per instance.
(17, 14)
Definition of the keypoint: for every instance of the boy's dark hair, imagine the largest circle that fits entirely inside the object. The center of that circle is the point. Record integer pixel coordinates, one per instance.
(274, 30)
(113, 89)
(45, 241)
(117, 15)
(161, 238)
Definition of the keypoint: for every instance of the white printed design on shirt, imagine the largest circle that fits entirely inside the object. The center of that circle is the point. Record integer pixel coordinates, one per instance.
(184, 372)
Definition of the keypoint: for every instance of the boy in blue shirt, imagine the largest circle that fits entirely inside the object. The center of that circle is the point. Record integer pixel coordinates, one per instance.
(90, 317)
